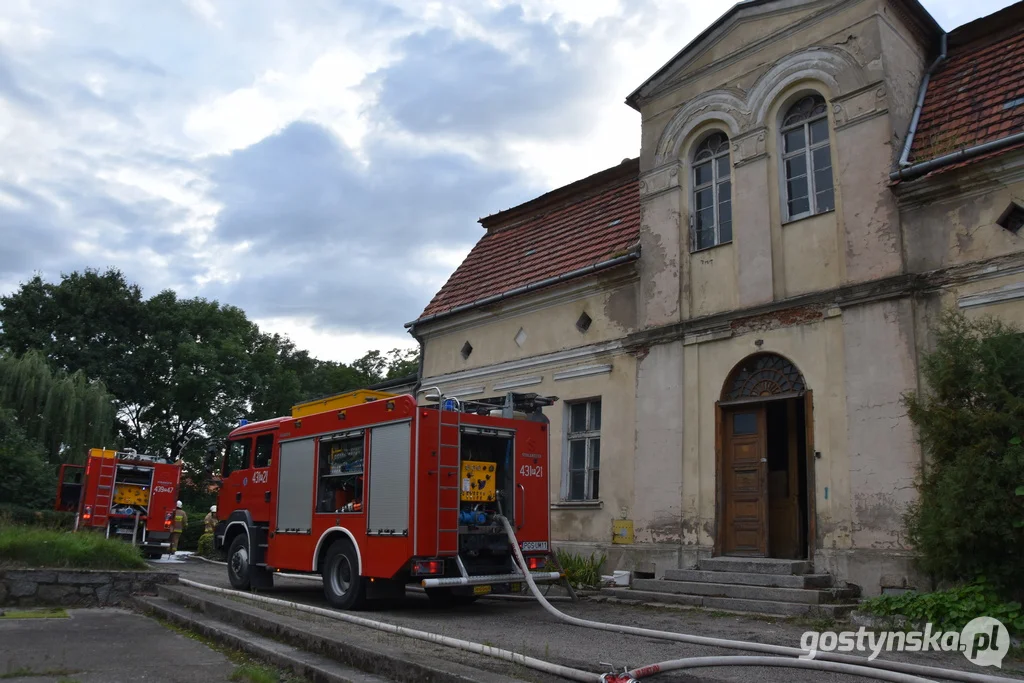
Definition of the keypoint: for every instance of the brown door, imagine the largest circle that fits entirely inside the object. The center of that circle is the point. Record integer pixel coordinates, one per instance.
(745, 486)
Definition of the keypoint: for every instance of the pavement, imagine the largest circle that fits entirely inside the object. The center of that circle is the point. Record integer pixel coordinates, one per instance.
(527, 628)
(106, 645)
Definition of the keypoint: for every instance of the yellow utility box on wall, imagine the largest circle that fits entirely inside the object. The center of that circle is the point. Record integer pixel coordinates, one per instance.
(478, 481)
(622, 531)
(346, 400)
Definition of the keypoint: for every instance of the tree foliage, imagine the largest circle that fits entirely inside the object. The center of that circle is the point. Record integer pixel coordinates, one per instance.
(65, 413)
(26, 480)
(970, 423)
(180, 370)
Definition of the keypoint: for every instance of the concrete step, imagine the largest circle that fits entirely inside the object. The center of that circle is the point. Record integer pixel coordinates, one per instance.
(350, 645)
(776, 580)
(775, 608)
(308, 665)
(810, 596)
(755, 565)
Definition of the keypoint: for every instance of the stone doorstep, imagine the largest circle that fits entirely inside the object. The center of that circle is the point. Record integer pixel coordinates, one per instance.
(730, 590)
(771, 580)
(772, 608)
(754, 565)
(306, 664)
(359, 649)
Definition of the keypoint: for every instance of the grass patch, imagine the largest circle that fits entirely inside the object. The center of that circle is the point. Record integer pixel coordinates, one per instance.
(36, 547)
(46, 613)
(255, 673)
(26, 672)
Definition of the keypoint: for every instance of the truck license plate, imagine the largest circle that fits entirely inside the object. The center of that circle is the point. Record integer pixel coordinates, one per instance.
(481, 590)
(126, 532)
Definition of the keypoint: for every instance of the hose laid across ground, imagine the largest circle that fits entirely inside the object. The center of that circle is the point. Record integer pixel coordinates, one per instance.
(469, 646)
(820, 657)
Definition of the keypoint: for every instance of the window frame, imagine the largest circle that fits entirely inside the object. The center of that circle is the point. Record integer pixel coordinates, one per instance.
(807, 152)
(589, 437)
(225, 471)
(256, 450)
(715, 185)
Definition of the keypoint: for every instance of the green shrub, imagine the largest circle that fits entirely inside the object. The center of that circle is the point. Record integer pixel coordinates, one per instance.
(580, 571)
(951, 609)
(48, 519)
(205, 547)
(36, 547)
(190, 536)
(970, 422)
(26, 479)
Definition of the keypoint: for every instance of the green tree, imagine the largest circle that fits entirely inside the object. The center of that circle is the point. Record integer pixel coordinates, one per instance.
(969, 423)
(66, 413)
(26, 479)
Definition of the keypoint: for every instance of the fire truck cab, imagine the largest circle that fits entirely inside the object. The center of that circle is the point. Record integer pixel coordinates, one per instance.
(123, 494)
(380, 493)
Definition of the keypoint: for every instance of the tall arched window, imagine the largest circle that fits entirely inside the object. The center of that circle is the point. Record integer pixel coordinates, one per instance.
(807, 159)
(711, 223)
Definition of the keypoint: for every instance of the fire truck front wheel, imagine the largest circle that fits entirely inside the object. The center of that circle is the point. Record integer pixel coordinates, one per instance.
(239, 569)
(343, 586)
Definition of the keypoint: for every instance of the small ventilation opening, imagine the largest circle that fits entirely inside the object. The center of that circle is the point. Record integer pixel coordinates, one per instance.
(1013, 218)
(583, 324)
(520, 337)
(467, 349)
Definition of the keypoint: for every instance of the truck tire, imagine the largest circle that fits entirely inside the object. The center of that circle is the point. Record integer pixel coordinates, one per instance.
(239, 569)
(343, 587)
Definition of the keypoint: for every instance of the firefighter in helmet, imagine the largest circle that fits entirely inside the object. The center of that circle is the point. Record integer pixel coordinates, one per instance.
(211, 519)
(178, 525)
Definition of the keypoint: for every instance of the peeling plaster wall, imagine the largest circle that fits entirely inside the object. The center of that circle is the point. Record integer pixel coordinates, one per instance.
(549, 326)
(883, 453)
(952, 219)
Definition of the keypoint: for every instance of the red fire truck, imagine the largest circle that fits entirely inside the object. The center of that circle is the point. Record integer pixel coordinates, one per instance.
(124, 494)
(381, 494)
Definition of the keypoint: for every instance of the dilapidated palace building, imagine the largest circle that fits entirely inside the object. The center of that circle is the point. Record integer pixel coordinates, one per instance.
(731, 319)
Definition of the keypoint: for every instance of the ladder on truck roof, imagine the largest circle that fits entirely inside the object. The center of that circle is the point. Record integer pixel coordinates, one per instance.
(105, 489)
(448, 475)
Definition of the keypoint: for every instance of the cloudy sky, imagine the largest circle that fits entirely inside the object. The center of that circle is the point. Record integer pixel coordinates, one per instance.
(319, 163)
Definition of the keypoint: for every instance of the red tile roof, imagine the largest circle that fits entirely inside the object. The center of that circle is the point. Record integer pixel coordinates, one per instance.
(582, 224)
(977, 94)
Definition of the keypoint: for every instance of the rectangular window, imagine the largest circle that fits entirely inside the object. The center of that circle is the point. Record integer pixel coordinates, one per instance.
(264, 450)
(340, 474)
(583, 456)
(238, 455)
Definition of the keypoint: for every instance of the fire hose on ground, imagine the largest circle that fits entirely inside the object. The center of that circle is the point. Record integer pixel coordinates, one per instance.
(897, 672)
(876, 667)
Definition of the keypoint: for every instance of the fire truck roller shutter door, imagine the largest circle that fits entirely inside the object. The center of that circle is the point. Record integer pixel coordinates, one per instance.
(388, 505)
(295, 486)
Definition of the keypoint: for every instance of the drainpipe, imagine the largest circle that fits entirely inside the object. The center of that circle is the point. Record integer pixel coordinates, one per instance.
(908, 143)
(917, 170)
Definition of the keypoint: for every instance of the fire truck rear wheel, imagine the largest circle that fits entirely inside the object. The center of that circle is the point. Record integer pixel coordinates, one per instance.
(239, 569)
(343, 586)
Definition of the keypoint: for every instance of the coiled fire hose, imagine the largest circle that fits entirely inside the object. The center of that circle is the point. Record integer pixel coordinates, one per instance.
(877, 666)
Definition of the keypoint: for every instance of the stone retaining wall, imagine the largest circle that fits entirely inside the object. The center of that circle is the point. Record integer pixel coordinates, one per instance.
(76, 587)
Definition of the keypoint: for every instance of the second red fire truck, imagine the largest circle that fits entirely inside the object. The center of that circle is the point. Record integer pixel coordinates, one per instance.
(122, 494)
(381, 494)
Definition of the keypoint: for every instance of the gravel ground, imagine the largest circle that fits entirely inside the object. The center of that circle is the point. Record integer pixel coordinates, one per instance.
(527, 628)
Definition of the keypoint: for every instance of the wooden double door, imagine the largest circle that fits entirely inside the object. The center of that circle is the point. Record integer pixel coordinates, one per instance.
(764, 479)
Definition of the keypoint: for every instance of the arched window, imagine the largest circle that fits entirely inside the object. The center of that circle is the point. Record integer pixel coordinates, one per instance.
(807, 159)
(711, 222)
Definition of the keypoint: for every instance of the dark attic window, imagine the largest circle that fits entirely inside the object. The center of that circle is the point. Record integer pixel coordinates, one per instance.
(467, 349)
(583, 324)
(1013, 218)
